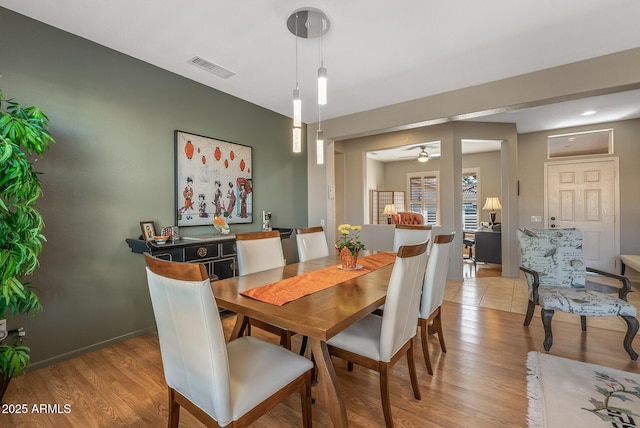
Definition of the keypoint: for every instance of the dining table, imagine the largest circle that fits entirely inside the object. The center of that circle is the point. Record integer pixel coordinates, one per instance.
(319, 315)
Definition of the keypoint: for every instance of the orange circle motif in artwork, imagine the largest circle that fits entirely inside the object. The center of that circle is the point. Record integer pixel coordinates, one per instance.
(188, 149)
(217, 153)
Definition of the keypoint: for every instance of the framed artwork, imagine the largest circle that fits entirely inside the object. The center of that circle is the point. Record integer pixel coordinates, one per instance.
(148, 230)
(213, 178)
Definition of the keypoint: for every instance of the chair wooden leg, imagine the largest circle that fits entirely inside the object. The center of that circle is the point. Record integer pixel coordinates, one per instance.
(303, 346)
(412, 371)
(632, 329)
(285, 339)
(546, 321)
(384, 394)
(583, 323)
(246, 327)
(174, 410)
(425, 346)
(437, 321)
(305, 397)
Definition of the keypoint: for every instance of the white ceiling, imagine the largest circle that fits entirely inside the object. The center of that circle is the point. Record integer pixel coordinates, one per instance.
(377, 52)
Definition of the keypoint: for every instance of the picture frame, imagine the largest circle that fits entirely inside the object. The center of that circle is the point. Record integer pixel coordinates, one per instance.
(148, 229)
(212, 178)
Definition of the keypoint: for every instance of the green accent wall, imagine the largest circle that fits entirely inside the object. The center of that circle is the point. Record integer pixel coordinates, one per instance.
(114, 117)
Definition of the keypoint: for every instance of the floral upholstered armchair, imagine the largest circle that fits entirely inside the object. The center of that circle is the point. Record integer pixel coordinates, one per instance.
(553, 263)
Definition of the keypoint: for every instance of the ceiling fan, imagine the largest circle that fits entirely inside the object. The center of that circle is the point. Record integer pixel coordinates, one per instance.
(423, 155)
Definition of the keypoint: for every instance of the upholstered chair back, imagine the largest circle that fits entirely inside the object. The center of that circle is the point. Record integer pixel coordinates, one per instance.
(403, 300)
(258, 251)
(435, 277)
(192, 343)
(312, 243)
(410, 235)
(406, 217)
(556, 254)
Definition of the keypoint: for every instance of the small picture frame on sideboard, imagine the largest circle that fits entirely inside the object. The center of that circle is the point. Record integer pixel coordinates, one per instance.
(148, 230)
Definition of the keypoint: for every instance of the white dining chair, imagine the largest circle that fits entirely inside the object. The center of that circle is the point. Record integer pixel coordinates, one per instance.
(433, 287)
(405, 234)
(222, 385)
(378, 342)
(311, 243)
(256, 252)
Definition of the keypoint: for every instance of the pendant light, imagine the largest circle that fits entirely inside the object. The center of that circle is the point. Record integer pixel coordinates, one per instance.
(319, 141)
(308, 23)
(322, 77)
(297, 105)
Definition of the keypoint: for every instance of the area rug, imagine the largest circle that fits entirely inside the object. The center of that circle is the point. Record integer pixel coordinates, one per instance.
(566, 393)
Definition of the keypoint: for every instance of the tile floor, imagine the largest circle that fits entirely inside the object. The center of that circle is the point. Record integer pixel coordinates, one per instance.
(511, 295)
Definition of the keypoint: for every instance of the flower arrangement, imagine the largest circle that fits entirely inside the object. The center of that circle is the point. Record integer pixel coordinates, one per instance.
(350, 238)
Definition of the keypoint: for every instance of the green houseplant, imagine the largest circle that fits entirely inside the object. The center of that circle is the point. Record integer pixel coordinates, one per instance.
(23, 134)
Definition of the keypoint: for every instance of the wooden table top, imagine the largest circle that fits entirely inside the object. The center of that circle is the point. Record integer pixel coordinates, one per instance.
(320, 315)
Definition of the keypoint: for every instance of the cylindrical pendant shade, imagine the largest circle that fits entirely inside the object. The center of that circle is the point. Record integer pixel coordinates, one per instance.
(319, 147)
(297, 108)
(297, 140)
(322, 86)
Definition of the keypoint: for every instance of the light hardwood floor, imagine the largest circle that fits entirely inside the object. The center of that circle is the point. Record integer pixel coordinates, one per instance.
(479, 382)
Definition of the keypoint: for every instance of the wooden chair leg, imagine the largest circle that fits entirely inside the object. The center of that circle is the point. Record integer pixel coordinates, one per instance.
(285, 339)
(246, 327)
(412, 371)
(632, 329)
(425, 346)
(174, 410)
(546, 321)
(305, 397)
(437, 321)
(529, 316)
(303, 346)
(583, 323)
(384, 394)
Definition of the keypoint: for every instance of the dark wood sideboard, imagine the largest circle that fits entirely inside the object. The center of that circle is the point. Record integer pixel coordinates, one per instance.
(216, 252)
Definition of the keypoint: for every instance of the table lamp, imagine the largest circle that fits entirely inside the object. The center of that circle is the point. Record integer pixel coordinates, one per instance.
(493, 204)
(389, 210)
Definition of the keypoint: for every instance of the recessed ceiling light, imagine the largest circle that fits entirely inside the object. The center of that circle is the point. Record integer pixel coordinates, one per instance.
(588, 113)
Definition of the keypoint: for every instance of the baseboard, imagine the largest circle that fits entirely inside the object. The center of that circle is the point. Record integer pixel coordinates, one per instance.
(87, 349)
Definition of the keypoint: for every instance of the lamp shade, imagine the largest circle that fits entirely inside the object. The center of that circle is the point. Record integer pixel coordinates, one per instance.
(492, 203)
(389, 209)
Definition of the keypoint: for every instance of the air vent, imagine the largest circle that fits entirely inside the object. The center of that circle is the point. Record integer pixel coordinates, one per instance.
(211, 67)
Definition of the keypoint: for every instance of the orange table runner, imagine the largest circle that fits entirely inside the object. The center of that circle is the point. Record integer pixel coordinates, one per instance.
(290, 289)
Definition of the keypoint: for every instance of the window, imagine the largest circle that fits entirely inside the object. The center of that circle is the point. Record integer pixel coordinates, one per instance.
(423, 195)
(470, 200)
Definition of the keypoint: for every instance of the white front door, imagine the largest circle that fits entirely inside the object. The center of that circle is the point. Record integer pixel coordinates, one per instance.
(584, 195)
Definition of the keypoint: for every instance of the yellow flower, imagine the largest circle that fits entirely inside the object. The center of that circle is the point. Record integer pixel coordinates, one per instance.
(356, 227)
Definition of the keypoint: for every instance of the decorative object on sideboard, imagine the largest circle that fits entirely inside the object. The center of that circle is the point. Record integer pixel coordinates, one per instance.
(148, 229)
